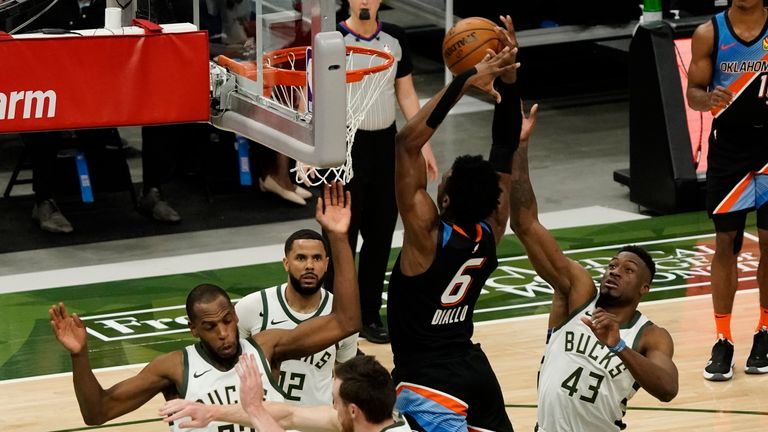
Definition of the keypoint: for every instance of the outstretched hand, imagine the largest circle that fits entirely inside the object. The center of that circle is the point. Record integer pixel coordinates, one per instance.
(604, 325)
(492, 66)
(69, 329)
(529, 122)
(252, 395)
(333, 210)
(188, 413)
(508, 37)
(251, 387)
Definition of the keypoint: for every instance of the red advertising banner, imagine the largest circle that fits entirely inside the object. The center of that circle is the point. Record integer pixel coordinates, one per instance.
(99, 81)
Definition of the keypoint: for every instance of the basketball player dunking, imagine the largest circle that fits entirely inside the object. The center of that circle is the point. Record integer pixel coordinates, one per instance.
(445, 382)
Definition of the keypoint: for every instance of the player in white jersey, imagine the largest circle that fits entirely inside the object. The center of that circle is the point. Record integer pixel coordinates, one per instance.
(601, 349)
(578, 368)
(212, 319)
(209, 385)
(363, 401)
(306, 381)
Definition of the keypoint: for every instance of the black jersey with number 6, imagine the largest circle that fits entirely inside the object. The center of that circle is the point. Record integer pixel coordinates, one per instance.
(430, 315)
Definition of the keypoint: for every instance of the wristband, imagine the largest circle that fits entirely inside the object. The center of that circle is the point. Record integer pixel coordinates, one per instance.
(449, 98)
(619, 347)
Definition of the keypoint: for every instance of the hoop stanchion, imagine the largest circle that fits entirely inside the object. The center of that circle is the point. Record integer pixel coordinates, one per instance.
(367, 73)
(285, 84)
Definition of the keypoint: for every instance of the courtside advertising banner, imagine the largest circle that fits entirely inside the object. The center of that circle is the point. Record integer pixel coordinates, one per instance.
(102, 81)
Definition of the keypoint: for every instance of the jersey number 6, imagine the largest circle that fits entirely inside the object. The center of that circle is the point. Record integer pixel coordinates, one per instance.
(459, 285)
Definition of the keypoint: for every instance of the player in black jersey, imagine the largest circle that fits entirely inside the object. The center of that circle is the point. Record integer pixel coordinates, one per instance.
(445, 382)
(729, 77)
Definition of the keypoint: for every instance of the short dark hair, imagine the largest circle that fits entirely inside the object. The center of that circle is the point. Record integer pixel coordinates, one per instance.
(367, 384)
(643, 255)
(304, 234)
(203, 293)
(473, 190)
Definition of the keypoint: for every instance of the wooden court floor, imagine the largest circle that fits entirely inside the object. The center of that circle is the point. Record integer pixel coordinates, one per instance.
(514, 346)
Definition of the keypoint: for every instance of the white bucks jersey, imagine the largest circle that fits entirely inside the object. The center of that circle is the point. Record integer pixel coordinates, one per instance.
(307, 381)
(583, 386)
(206, 384)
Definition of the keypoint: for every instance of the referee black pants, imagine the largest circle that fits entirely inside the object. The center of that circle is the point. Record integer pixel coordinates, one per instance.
(374, 215)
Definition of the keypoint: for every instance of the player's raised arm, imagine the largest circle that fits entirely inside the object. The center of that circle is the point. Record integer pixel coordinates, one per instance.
(506, 128)
(97, 405)
(333, 213)
(191, 414)
(545, 255)
(252, 393)
(416, 207)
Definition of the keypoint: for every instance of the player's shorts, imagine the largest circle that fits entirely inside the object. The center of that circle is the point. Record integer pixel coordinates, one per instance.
(737, 177)
(452, 394)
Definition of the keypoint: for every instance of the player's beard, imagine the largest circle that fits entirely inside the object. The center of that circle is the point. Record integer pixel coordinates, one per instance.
(365, 14)
(305, 290)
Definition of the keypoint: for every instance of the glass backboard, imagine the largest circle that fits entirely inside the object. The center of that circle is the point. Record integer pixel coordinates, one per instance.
(305, 121)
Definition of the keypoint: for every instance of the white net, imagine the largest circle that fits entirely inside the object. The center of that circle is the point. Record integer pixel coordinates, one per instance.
(360, 96)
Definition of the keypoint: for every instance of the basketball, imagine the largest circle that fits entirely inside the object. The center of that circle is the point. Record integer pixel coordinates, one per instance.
(465, 43)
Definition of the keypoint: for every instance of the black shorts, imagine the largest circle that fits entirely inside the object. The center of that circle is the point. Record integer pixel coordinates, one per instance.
(452, 394)
(736, 157)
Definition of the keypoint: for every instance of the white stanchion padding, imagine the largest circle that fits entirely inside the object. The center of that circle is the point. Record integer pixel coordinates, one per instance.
(113, 18)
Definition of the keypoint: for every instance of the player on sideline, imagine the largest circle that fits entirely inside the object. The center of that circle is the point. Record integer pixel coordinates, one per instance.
(306, 381)
(205, 371)
(728, 76)
(363, 401)
(603, 349)
(445, 382)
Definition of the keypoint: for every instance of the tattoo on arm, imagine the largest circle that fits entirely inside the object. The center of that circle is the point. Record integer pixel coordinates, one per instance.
(521, 191)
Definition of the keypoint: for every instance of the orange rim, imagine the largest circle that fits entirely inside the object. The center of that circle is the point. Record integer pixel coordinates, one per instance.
(275, 75)
(246, 69)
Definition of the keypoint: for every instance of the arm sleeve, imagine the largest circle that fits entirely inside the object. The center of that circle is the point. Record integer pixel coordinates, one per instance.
(507, 123)
(347, 349)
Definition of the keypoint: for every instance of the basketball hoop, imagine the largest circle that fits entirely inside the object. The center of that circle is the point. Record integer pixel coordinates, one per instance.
(285, 82)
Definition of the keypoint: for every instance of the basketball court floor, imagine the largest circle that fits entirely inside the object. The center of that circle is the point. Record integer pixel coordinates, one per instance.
(131, 292)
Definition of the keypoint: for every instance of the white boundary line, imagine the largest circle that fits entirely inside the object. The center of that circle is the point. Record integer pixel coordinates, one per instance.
(139, 269)
(482, 323)
(164, 266)
(68, 374)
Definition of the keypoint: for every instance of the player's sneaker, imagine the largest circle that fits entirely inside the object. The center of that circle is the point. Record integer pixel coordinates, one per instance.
(757, 362)
(375, 333)
(720, 365)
